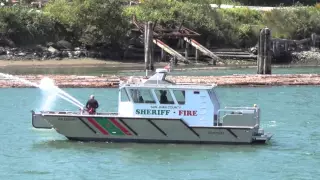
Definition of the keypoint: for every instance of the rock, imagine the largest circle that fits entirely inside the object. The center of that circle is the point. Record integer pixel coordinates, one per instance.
(64, 54)
(62, 44)
(52, 49)
(21, 54)
(220, 63)
(50, 44)
(4, 41)
(314, 49)
(2, 51)
(69, 54)
(304, 57)
(78, 53)
(40, 48)
(254, 50)
(9, 53)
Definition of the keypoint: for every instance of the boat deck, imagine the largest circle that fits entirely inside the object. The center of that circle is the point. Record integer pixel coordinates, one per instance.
(73, 114)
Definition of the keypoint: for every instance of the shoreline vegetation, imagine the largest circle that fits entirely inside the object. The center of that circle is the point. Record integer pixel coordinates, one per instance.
(104, 27)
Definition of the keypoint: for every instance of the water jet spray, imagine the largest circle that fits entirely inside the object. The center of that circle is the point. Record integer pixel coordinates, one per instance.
(48, 86)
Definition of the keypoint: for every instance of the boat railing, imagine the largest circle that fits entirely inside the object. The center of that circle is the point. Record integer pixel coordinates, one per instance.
(222, 113)
(76, 112)
(209, 85)
(227, 107)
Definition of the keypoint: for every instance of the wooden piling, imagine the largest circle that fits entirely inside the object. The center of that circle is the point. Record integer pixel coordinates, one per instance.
(186, 51)
(268, 52)
(148, 47)
(264, 52)
(180, 44)
(259, 57)
(274, 47)
(151, 45)
(277, 51)
(163, 55)
(286, 46)
(197, 55)
(313, 40)
(152, 57)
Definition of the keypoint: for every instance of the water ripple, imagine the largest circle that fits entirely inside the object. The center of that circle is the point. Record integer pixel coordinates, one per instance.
(291, 113)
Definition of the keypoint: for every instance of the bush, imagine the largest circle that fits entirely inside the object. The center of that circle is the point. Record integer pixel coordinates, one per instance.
(91, 22)
(87, 22)
(294, 23)
(26, 26)
(101, 22)
(219, 26)
(275, 2)
(237, 27)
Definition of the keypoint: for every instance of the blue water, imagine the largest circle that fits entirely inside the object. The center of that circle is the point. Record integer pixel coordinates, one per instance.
(291, 113)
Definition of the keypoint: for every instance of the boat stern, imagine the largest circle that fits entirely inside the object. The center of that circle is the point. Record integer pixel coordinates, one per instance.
(39, 122)
(261, 137)
(243, 117)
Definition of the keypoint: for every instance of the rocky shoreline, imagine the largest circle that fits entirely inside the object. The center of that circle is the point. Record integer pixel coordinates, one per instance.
(306, 57)
(60, 50)
(42, 53)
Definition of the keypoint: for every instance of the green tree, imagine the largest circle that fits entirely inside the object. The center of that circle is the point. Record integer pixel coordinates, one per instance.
(91, 21)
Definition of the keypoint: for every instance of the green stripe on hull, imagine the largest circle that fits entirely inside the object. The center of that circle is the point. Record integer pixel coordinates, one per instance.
(109, 126)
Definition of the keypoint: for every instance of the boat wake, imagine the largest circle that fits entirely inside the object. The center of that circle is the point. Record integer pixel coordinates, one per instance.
(271, 124)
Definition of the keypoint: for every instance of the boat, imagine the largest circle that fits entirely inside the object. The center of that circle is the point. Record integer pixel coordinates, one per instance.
(156, 110)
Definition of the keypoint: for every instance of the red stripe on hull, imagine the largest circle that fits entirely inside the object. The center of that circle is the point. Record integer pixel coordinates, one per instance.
(94, 122)
(123, 129)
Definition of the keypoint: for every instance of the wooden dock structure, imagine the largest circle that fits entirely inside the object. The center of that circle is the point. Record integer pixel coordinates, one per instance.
(185, 49)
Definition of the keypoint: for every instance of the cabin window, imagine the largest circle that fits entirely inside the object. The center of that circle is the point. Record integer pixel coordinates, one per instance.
(164, 96)
(124, 95)
(142, 96)
(180, 96)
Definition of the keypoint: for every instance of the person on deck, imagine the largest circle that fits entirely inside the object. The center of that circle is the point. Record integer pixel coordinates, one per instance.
(163, 97)
(92, 105)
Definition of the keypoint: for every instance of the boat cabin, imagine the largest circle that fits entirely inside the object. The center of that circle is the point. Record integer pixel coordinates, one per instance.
(157, 97)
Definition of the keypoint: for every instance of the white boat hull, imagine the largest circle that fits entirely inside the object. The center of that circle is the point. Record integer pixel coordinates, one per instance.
(146, 130)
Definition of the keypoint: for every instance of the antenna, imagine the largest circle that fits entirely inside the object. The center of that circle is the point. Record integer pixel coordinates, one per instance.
(157, 78)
